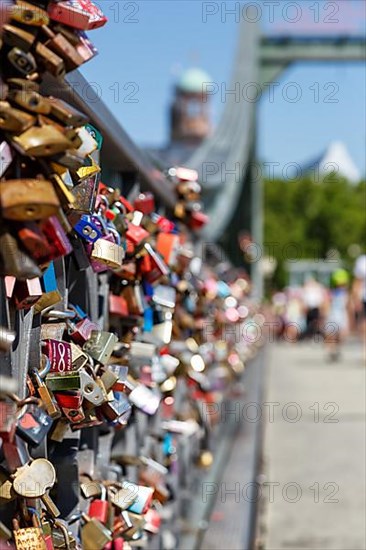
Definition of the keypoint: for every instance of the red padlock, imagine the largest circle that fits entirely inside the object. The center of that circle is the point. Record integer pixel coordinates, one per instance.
(56, 237)
(167, 244)
(80, 332)
(136, 234)
(98, 508)
(152, 265)
(69, 399)
(197, 220)
(118, 306)
(35, 242)
(145, 203)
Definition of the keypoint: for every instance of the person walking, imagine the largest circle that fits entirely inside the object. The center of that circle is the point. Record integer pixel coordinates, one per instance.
(336, 325)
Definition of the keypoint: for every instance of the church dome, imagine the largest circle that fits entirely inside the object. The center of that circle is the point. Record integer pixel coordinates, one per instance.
(192, 80)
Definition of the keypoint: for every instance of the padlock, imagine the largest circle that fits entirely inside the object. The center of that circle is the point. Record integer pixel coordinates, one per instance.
(85, 194)
(143, 398)
(88, 229)
(114, 377)
(6, 157)
(14, 261)
(118, 306)
(61, 356)
(99, 507)
(49, 60)
(8, 412)
(165, 296)
(79, 14)
(136, 234)
(63, 48)
(69, 159)
(33, 425)
(152, 265)
(94, 534)
(46, 396)
(56, 236)
(28, 537)
(108, 252)
(89, 144)
(143, 498)
(63, 382)
(65, 113)
(44, 141)
(16, 37)
(92, 389)
(23, 63)
(145, 203)
(27, 293)
(29, 14)
(81, 331)
(28, 199)
(167, 244)
(91, 420)
(14, 120)
(100, 346)
(35, 242)
(30, 101)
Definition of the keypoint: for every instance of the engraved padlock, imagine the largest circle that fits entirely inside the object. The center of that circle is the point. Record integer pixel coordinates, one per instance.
(108, 252)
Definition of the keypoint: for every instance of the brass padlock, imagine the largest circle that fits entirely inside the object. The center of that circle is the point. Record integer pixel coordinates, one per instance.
(14, 120)
(28, 199)
(23, 84)
(28, 537)
(17, 37)
(23, 62)
(42, 141)
(30, 100)
(65, 113)
(59, 44)
(29, 14)
(50, 61)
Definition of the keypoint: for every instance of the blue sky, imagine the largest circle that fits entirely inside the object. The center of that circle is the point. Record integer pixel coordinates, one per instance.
(147, 44)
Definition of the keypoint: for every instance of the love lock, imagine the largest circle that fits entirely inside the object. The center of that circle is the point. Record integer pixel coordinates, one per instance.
(33, 480)
(91, 390)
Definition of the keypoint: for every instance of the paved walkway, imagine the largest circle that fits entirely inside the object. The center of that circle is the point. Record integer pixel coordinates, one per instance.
(314, 449)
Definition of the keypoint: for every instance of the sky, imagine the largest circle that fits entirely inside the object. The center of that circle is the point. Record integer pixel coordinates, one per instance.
(147, 45)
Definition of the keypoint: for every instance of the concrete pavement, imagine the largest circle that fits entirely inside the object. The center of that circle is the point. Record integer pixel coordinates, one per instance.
(313, 496)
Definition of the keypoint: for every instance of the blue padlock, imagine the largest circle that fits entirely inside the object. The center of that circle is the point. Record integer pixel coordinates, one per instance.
(88, 228)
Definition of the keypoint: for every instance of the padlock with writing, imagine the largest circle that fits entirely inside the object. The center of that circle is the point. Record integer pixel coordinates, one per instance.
(28, 537)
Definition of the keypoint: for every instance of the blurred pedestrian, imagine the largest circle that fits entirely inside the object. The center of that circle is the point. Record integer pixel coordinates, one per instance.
(336, 325)
(359, 294)
(314, 298)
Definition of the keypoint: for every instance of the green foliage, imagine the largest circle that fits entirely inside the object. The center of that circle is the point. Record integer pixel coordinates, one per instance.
(305, 219)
